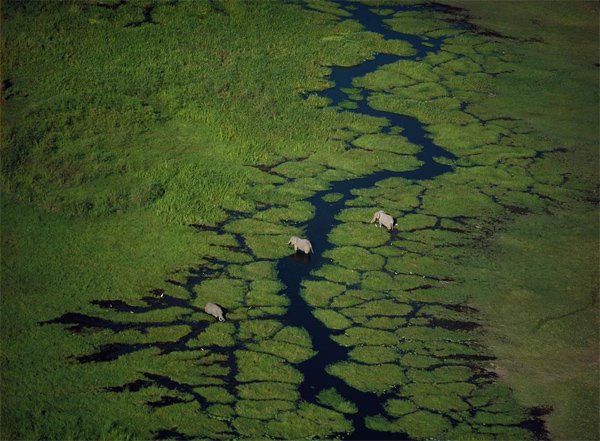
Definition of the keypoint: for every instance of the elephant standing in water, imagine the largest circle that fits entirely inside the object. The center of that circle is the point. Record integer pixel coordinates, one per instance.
(301, 244)
(214, 310)
(384, 219)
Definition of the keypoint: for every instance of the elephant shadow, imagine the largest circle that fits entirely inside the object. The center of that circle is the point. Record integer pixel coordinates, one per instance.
(300, 257)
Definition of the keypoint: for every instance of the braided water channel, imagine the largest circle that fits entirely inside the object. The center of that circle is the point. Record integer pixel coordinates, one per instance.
(294, 271)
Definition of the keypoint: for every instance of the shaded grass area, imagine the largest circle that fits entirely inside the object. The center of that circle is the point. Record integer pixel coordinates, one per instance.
(545, 334)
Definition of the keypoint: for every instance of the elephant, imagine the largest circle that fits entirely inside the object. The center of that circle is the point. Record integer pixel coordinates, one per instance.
(214, 310)
(301, 244)
(384, 219)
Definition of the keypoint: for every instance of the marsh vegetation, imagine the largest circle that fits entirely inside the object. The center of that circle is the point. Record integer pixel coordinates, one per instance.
(145, 175)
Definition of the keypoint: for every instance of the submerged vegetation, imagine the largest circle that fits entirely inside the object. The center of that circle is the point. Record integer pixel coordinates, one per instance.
(119, 133)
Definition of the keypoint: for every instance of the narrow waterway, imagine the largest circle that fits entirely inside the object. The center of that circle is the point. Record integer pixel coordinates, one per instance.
(293, 270)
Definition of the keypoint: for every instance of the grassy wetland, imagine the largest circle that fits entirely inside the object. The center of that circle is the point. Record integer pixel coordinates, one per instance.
(158, 155)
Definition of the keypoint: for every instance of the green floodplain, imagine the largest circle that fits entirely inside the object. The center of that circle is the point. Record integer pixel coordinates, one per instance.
(124, 123)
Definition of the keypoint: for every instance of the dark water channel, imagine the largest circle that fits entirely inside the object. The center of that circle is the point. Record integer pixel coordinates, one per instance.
(295, 269)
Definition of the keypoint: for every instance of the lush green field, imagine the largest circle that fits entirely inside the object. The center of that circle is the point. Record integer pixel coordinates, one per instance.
(115, 138)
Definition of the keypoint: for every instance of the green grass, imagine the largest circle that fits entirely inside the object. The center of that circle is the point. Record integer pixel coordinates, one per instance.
(106, 156)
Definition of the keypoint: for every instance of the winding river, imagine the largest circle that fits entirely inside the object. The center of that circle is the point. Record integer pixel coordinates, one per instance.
(294, 269)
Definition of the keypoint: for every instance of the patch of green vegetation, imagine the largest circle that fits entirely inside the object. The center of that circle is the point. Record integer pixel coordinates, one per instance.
(309, 418)
(358, 336)
(377, 281)
(362, 162)
(337, 274)
(416, 22)
(290, 352)
(320, 293)
(258, 329)
(438, 397)
(259, 270)
(249, 427)
(387, 323)
(443, 374)
(332, 319)
(268, 390)
(396, 407)
(332, 398)
(373, 354)
(358, 234)
(411, 263)
(465, 432)
(255, 366)
(431, 110)
(415, 221)
(392, 143)
(332, 197)
(263, 409)
(295, 212)
(420, 424)
(297, 336)
(355, 258)
(267, 246)
(228, 293)
(368, 378)
(254, 226)
(215, 394)
(263, 311)
(356, 214)
(299, 169)
(379, 308)
(219, 334)
(221, 411)
(266, 293)
(348, 105)
(345, 300)
(429, 335)
(389, 194)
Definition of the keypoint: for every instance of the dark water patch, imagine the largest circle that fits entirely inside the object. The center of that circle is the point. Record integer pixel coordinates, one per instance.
(373, 22)
(147, 18)
(517, 210)
(462, 19)
(168, 383)
(134, 386)
(164, 301)
(453, 325)
(112, 6)
(201, 227)
(536, 423)
(112, 351)
(166, 400)
(171, 434)
(542, 153)
(4, 89)
(217, 8)
(79, 322)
